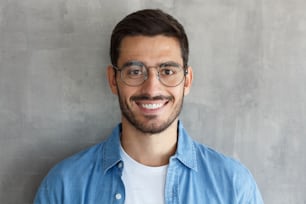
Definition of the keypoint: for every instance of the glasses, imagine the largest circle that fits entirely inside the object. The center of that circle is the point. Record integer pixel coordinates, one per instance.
(135, 73)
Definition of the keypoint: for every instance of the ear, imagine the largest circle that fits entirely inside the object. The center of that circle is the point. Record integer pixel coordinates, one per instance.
(111, 76)
(188, 81)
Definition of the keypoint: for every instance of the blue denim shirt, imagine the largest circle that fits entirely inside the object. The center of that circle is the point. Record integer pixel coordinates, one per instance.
(196, 174)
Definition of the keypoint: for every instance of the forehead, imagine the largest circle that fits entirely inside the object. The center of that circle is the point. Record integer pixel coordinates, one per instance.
(150, 49)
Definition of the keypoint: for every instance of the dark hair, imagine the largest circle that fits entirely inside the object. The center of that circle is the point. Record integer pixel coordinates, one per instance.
(148, 22)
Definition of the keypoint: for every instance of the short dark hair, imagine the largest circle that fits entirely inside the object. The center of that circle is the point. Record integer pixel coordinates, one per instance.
(148, 22)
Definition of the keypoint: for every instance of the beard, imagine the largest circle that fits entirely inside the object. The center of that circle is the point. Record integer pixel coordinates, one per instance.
(148, 125)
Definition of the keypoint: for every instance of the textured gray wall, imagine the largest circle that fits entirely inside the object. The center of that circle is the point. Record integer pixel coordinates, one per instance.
(248, 97)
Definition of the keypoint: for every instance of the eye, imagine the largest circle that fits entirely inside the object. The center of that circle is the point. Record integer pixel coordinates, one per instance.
(167, 71)
(133, 71)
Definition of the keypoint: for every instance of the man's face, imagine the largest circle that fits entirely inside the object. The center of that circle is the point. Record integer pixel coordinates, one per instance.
(150, 107)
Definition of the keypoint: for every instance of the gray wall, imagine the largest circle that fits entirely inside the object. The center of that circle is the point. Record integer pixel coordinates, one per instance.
(247, 100)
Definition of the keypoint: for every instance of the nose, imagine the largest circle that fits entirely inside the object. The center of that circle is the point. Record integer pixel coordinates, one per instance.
(152, 81)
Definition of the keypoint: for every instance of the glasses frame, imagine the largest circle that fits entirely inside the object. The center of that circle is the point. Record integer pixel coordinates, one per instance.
(158, 67)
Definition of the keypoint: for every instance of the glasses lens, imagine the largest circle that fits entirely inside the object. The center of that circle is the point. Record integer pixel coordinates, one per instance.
(133, 74)
(171, 74)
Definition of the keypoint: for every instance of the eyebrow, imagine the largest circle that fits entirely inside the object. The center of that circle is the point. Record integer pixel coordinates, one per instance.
(139, 63)
(171, 63)
(133, 62)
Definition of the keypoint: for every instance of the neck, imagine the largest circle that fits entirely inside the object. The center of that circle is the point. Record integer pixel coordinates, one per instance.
(149, 149)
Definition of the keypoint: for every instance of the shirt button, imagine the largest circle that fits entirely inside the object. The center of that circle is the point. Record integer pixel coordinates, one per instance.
(118, 196)
(120, 165)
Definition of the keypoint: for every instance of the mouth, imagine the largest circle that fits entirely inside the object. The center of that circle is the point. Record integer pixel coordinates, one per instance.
(151, 105)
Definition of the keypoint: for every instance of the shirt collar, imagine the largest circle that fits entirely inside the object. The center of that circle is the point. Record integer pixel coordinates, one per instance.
(185, 152)
(111, 151)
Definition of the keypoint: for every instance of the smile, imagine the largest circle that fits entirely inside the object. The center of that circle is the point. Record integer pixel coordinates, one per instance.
(152, 106)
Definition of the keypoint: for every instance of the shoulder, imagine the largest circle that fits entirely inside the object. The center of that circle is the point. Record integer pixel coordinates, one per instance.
(217, 172)
(228, 172)
(96, 158)
(80, 174)
(71, 173)
(99, 157)
(80, 162)
(193, 153)
(210, 158)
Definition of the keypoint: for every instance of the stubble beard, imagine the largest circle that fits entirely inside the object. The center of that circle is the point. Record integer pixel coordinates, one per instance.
(145, 126)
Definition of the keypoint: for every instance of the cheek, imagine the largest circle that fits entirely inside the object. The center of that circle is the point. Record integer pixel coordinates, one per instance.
(125, 92)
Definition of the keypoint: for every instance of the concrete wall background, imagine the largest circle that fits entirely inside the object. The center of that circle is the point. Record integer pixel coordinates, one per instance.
(247, 101)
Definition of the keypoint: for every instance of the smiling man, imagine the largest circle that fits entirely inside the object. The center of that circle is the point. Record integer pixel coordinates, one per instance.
(149, 158)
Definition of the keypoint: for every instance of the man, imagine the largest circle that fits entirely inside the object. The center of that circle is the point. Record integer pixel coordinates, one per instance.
(149, 158)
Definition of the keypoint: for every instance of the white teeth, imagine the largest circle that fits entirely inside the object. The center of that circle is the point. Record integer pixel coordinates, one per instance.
(152, 106)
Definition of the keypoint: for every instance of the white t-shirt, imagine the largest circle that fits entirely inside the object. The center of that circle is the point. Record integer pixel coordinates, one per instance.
(143, 184)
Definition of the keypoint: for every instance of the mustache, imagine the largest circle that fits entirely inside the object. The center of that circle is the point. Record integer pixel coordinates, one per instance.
(148, 97)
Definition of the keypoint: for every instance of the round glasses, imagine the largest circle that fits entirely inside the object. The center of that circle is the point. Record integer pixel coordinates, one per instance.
(135, 73)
